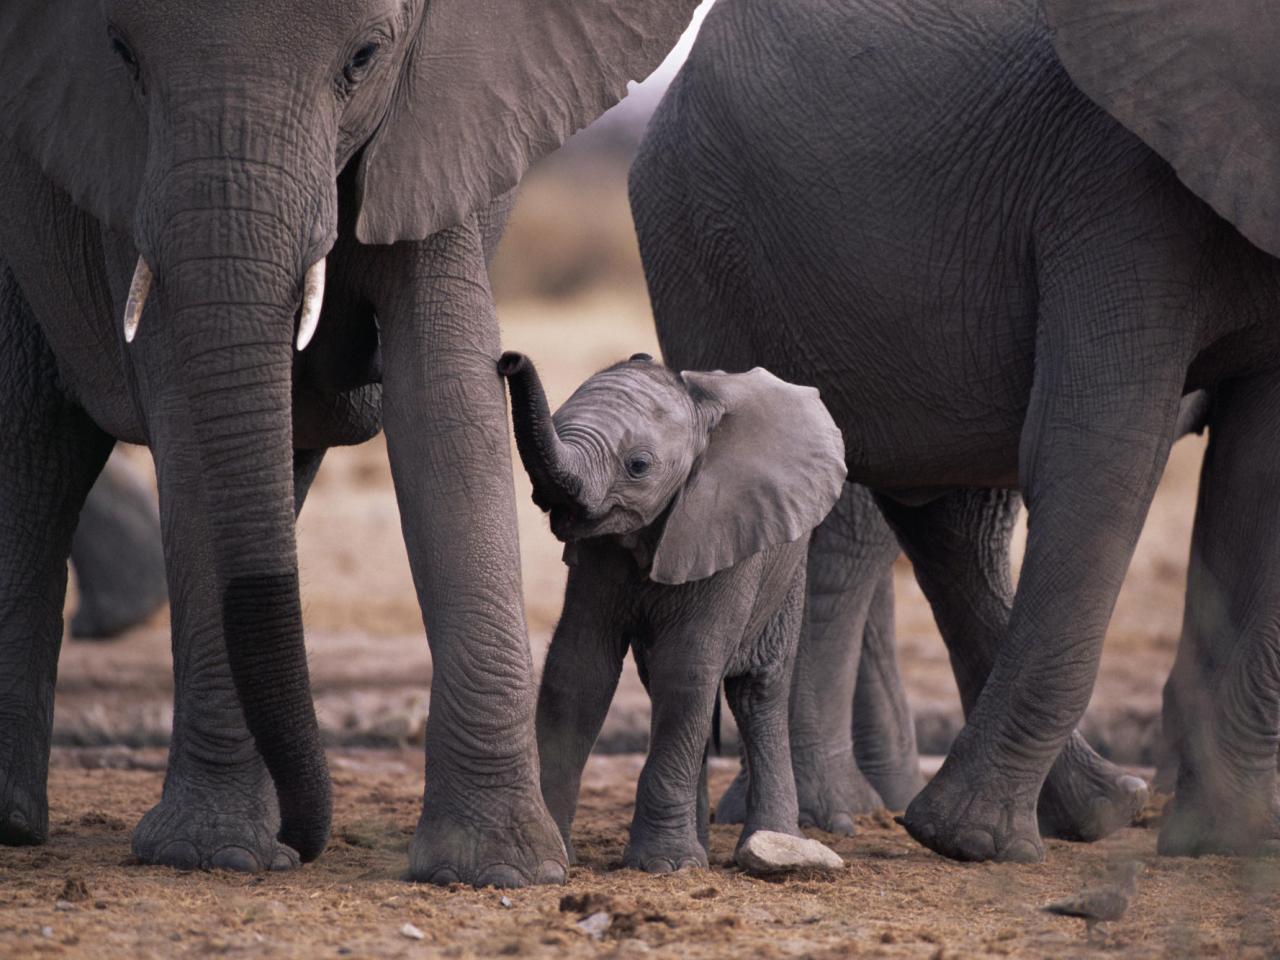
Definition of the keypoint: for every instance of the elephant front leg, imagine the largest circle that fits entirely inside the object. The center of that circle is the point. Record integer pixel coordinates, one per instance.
(1225, 686)
(50, 453)
(664, 830)
(578, 683)
(218, 807)
(959, 547)
(483, 818)
(1094, 443)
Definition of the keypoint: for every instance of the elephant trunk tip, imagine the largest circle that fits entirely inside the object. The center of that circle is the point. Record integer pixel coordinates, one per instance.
(512, 364)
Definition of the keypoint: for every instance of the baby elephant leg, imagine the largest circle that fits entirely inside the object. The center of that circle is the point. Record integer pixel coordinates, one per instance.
(758, 699)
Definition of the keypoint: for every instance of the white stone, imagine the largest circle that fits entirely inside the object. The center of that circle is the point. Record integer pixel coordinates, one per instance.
(595, 925)
(411, 932)
(768, 852)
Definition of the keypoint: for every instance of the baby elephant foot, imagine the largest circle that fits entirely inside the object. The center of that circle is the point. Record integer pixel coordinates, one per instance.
(966, 815)
(201, 833)
(1232, 823)
(24, 817)
(831, 791)
(653, 853)
(516, 846)
(1086, 798)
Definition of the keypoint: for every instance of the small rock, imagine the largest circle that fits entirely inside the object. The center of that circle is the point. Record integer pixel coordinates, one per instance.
(75, 890)
(412, 932)
(64, 905)
(766, 852)
(504, 901)
(46, 932)
(595, 925)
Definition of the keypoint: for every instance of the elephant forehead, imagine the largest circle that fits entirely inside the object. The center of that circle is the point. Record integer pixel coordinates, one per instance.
(226, 25)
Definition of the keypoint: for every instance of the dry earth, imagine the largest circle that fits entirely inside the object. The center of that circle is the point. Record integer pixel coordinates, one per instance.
(82, 896)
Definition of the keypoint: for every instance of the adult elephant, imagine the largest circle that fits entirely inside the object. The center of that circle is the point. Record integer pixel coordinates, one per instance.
(221, 154)
(996, 283)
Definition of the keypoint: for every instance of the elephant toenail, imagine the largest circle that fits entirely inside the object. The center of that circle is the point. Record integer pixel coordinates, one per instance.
(235, 858)
(1022, 851)
(286, 859)
(842, 824)
(551, 872)
(975, 845)
(501, 875)
(18, 820)
(179, 854)
(443, 877)
(659, 865)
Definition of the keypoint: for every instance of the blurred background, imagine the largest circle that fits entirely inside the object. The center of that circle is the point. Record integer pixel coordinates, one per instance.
(571, 294)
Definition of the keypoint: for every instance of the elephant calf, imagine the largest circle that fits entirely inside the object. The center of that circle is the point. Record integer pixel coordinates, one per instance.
(686, 503)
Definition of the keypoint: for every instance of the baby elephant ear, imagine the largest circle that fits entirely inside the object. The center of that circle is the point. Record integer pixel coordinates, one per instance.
(772, 470)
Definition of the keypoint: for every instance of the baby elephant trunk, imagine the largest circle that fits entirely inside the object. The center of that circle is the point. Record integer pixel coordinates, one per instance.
(546, 458)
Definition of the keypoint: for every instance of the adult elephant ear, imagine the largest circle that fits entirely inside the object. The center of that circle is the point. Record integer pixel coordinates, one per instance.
(490, 86)
(772, 470)
(1199, 81)
(67, 101)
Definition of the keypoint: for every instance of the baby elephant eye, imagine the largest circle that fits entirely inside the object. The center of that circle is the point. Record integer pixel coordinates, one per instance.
(638, 465)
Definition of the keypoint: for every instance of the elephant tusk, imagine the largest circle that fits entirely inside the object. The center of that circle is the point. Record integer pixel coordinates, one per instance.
(139, 288)
(312, 301)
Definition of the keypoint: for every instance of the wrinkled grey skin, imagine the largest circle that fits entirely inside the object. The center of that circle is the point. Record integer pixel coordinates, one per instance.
(117, 555)
(995, 285)
(618, 469)
(232, 156)
(972, 600)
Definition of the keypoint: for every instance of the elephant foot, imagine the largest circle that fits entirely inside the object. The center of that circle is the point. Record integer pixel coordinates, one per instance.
(205, 832)
(1085, 797)
(1233, 823)
(516, 846)
(831, 791)
(663, 854)
(967, 814)
(24, 816)
(205, 836)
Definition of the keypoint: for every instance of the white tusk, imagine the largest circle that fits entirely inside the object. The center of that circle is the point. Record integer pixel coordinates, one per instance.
(312, 301)
(138, 290)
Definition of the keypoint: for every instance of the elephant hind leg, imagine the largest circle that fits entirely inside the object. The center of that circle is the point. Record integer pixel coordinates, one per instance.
(117, 555)
(1225, 686)
(50, 453)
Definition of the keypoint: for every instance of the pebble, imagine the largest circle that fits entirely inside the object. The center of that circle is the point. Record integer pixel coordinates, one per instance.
(64, 905)
(505, 901)
(766, 852)
(595, 925)
(412, 932)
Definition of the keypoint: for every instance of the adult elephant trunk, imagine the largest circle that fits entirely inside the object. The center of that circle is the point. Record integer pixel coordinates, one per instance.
(546, 458)
(230, 284)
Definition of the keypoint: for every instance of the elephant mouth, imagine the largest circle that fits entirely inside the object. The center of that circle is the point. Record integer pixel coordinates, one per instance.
(569, 524)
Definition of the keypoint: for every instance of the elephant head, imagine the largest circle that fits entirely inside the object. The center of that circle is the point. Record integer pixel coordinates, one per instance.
(1199, 83)
(212, 133)
(717, 465)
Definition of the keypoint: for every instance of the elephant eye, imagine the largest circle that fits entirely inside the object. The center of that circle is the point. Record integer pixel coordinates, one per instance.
(359, 63)
(638, 465)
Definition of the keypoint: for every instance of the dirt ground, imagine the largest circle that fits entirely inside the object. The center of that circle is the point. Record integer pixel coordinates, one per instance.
(372, 671)
(82, 896)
